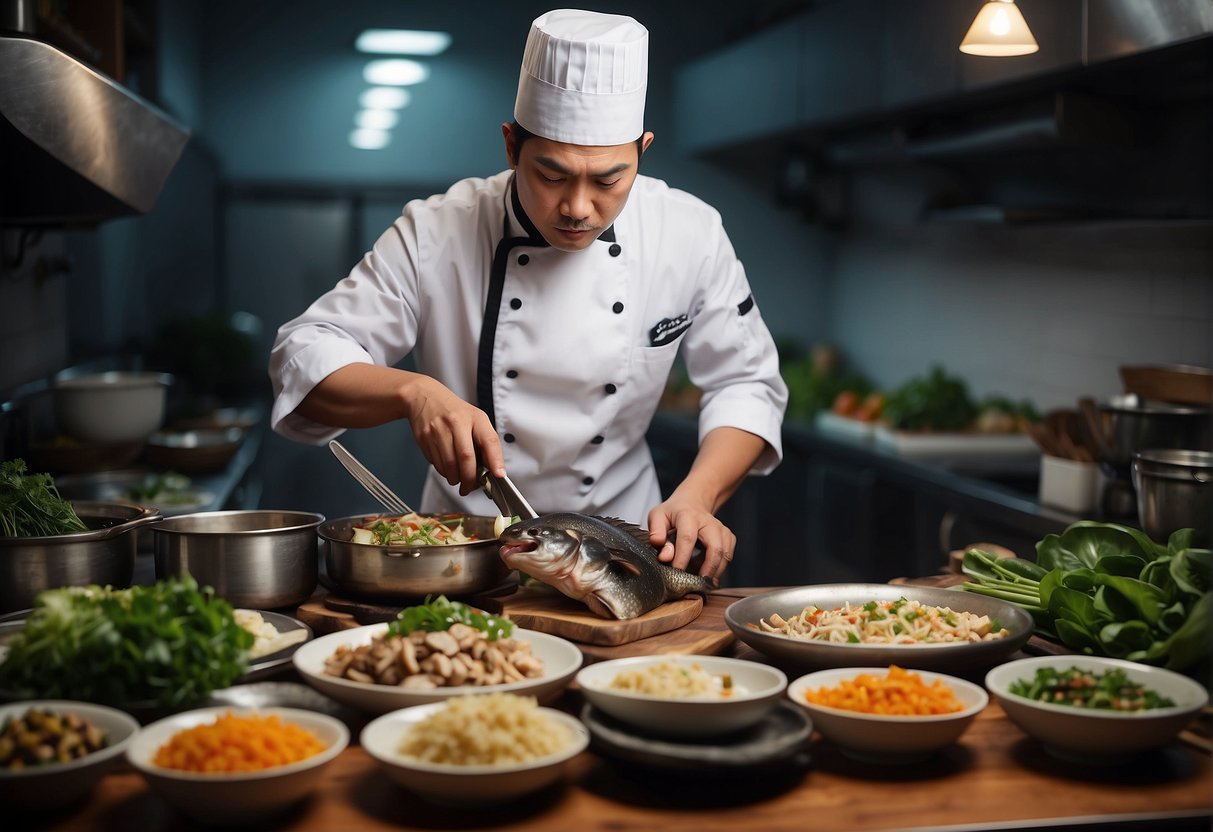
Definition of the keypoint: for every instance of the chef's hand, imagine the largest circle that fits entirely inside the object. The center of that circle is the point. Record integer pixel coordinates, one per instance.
(690, 522)
(449, 430)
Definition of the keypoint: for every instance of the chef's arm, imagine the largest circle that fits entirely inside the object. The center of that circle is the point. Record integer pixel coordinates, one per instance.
(725, 457)
(448, 430)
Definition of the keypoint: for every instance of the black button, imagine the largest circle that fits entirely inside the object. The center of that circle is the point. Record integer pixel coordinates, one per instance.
(509, 437)
(614, 250)
(516, 303)
(523, 259)
(588, 481)
(610, 389)
(511, 374)
(597, 440)
(617, 308)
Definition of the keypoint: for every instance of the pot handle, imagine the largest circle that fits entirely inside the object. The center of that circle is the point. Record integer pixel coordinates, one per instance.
(146, 517)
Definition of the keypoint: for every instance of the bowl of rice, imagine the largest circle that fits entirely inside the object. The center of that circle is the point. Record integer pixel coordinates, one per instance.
(888, 715)
(683, 696)
(223, 765)
(475, 750)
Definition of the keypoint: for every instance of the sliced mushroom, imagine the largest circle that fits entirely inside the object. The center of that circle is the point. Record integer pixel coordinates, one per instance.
(442, 642)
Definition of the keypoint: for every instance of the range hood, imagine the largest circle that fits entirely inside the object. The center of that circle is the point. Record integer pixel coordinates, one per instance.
(76, 148)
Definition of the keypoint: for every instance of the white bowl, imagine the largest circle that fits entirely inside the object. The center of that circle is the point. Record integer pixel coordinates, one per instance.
(472, 785)
(242, 797)
(1096, 735)
(113, 406)
(757, 689)
(61, 784)
(883, 738)
(560, 661)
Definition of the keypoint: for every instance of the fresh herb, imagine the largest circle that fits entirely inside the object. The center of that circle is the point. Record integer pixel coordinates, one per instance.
(170, 644)
(936, 401)
(439, 614)
(168, 487)
(1109, 590)
(30, 505)
(1110, 691)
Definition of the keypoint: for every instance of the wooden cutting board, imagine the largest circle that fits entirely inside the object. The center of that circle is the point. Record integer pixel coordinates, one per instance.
(702, 632)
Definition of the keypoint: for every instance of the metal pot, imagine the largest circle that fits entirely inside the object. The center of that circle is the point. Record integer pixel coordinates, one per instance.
(1174, 491)
(1133, 425)
(257, 559)
(406, 572)
(105, 554)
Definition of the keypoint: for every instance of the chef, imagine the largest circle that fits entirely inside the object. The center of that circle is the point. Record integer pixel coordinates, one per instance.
(544, 308)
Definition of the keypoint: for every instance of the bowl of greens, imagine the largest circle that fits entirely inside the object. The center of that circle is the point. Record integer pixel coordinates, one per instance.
(1095, 709)
(47, 541)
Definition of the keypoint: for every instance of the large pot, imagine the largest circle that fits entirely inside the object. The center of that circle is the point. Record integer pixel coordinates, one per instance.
(402, 572)
(111, 407)
(258, 559)
(105, 554)
(1174, 491)
(1132, 425)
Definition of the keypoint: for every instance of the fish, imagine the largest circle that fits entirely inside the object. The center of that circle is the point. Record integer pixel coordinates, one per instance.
(606, 563)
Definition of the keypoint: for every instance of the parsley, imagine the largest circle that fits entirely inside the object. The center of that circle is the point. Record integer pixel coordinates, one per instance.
(30, 505)
(439, 614)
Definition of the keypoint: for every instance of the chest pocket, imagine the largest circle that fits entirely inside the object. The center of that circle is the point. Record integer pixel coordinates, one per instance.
(650, 365)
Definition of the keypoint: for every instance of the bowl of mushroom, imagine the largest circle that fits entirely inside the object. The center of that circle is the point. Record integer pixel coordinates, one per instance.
(432, 652)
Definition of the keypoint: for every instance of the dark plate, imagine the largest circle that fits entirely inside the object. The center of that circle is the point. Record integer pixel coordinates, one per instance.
(781, 735)
(742, 616)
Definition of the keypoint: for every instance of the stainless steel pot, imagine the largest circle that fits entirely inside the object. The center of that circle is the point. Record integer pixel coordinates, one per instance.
(406, 572)
(258, 559)
(1174, 491)
(105, 554)
(1132, 425)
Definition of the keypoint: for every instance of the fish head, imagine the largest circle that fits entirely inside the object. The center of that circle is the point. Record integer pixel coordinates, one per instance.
(534, 546)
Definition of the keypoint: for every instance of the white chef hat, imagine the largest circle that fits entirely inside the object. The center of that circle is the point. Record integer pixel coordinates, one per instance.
(583, 78)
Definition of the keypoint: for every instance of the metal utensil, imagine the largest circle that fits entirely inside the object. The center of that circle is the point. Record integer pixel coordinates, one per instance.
(374, 486)
(505, 495)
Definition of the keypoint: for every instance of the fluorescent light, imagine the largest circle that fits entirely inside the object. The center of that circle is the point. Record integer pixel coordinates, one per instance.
(377, 119)
(365, 139)
(395, 72)
(402, 42)
(999, 30)
(384, 98)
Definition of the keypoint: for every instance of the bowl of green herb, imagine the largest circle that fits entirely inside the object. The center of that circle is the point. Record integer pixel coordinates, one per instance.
(1095, 709)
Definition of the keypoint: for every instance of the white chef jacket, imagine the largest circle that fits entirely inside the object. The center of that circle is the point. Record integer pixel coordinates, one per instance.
(567, 352)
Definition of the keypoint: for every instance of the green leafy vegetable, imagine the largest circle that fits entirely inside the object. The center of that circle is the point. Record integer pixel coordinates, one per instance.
(30, 505)
(1110, 691)
(1108, 589)
(439, 614)
(936, 401)
(170, 644)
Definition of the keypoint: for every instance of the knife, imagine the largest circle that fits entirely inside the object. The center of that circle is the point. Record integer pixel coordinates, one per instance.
(505, 495)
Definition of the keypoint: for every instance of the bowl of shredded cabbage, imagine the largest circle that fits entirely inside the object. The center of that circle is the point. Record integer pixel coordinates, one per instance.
(683, 696)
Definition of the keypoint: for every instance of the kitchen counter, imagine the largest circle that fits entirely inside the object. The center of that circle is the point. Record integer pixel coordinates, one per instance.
(994, 778)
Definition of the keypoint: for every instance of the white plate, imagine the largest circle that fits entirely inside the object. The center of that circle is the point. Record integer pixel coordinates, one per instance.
(950, 445)
(561, 659)
(472, 785)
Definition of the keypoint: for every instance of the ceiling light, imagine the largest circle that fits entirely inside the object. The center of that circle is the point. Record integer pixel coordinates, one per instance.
(365, 139)
(402, 42)
(395, 72)
(377, 119)
(384, 98)
(999, 30)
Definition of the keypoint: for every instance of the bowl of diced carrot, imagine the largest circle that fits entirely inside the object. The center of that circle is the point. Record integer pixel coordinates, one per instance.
(225, 765)
(888, 715)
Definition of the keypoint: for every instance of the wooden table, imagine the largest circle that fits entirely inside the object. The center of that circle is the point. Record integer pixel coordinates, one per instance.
(994, 778)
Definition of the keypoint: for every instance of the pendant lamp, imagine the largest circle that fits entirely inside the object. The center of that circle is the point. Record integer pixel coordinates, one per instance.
(999, 30)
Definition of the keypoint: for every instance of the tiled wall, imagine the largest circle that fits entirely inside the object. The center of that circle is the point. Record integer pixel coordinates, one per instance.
(33, 309)
(1048, 313)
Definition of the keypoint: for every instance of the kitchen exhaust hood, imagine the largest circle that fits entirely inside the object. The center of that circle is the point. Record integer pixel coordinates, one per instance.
(77, 148)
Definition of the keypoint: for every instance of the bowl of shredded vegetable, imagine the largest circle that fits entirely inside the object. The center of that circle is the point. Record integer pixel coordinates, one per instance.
(224, 765)
(412, 556)
(888, 715)
(1095, 709)
(683, 696)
